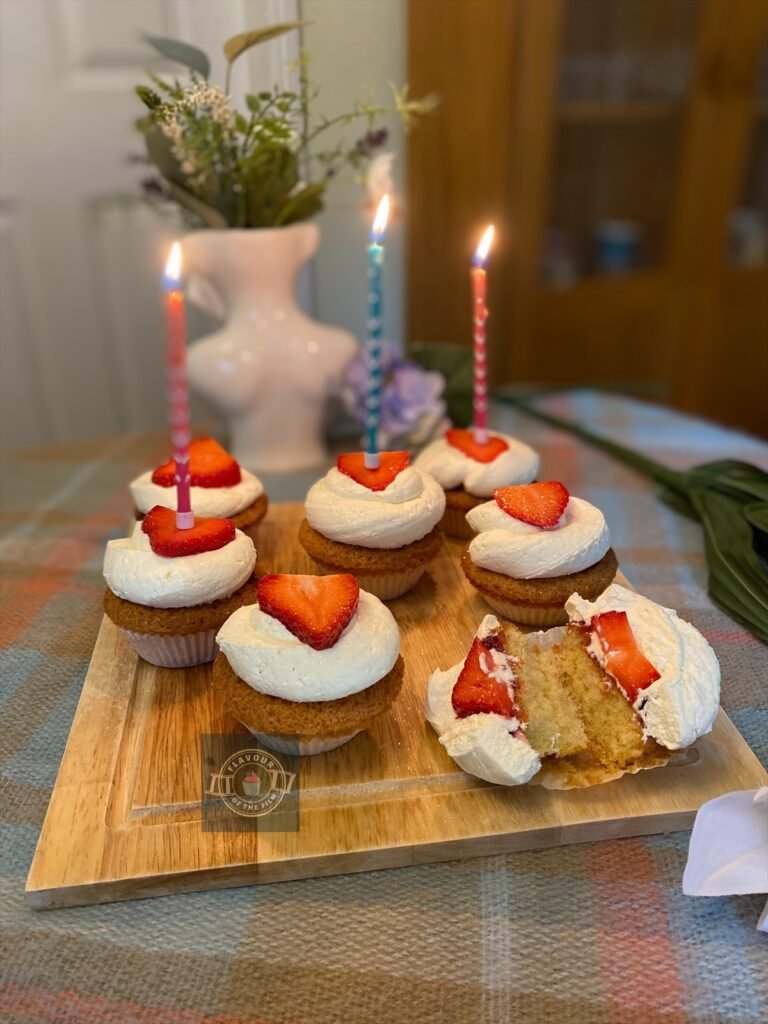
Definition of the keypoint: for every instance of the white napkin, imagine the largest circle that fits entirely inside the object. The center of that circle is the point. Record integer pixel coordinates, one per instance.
(728, 855)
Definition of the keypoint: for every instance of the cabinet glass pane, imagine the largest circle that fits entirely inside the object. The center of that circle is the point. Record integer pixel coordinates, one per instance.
(624, 78)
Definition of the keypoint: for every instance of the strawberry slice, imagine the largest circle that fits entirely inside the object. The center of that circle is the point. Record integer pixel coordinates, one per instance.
(465, 441)
(316, 609)
(624, 660)
(479, 690)
(165, 539)
(540, 504)
(210, 465)
(390, 464)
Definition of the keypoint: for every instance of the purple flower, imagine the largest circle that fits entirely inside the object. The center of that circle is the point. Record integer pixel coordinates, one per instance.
(412, 408)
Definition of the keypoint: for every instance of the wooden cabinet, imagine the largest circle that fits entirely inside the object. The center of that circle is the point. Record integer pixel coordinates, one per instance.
(620, 147)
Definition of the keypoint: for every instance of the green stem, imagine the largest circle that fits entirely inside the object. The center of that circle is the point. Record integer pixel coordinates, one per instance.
(661, 474)
(227, 77)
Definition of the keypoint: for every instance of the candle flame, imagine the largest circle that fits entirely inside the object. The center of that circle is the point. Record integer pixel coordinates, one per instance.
(172, 273)
(381, 218)
(481, 253)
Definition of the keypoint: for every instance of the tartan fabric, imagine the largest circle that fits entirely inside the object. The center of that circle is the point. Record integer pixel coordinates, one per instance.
(589, 934)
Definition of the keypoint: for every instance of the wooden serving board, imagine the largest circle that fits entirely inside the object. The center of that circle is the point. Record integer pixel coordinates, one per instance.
(124, 818)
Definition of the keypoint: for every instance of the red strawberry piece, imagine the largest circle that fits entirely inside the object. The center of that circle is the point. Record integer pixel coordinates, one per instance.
(465, 441)
(539, 504)
(390, 464)
(316, 609)
(167, 540)
(623, 658)
(476, 691)
(210, 465)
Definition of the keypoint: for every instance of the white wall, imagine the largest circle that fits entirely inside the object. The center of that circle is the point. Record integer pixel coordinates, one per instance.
(356, 45)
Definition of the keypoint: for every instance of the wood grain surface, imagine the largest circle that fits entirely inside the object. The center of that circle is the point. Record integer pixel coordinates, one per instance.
(124, 818)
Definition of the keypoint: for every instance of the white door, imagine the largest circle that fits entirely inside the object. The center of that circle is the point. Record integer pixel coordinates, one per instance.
(81, 349)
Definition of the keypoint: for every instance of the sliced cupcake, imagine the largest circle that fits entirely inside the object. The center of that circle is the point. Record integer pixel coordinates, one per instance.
(311, 664)
(220, 487)
(535, 546)
(470, 472)
(381, 525)
(619, 689)
(170, 590)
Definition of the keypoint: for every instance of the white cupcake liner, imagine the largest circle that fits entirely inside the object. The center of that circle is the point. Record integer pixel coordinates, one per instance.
(385, 586)
(181, 651)
(526, 614)
(304, 747)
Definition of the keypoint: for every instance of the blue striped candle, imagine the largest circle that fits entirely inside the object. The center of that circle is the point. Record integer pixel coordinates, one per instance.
(373, 345)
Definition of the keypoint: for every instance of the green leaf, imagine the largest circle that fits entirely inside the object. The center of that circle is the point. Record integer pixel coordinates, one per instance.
(182, 53)
(303, 205)
(211, 217)
(756, 515)
(148, 96)
(243, 41)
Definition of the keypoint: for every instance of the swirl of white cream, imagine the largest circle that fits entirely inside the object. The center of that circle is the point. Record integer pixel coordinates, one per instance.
(489, 746)
(269, 658)
(526, 552)
(206, 501)
(343, 510)
(682, 704)
(519, 464)
(134, 572)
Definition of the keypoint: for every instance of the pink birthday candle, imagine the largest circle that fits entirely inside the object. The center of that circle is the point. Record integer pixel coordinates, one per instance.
(479, 318)
(178, 394)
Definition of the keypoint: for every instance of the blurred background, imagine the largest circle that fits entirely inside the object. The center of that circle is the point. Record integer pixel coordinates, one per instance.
(620, 146)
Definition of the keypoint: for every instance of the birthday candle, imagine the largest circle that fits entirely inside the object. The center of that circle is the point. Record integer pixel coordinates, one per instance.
(178, 395)
(373, 347)
(479, 319)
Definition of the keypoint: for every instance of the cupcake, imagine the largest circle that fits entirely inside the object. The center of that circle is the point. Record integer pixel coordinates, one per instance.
(220, 487)
(311, 664)
(170, 590)
(618, 690)
(470, 472)
(381, 525)
(535, 546)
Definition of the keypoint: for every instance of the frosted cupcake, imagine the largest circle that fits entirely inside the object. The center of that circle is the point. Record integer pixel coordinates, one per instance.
(170, 590)
(535, 546)
(311, 665)
(382, 525)
(469, 472)
(220, 487)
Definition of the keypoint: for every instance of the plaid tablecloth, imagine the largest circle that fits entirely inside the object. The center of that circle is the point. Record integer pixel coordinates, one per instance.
(579, 935)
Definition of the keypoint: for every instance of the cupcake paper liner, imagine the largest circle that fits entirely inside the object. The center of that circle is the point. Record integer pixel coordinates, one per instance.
(526, 614)
(385, 586)
(304, 747)
(455, 524)
(180, 651)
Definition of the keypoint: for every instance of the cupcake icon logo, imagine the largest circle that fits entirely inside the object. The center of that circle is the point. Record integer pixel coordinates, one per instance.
(251, 783)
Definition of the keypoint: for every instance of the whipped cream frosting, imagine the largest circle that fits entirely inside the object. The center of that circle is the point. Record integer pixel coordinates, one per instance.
(269, 658)
(519, 464)
(683, 702)
(488, 746)
(134, 572)
(206, 501)
(343, 510)
(526, 552)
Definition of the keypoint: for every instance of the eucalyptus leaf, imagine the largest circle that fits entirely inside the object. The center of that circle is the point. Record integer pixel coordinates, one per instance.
(730, 500)
(182, 53)
(211, 217)
(243, 41)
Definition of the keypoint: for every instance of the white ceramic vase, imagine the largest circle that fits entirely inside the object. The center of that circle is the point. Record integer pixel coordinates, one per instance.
(269, 369)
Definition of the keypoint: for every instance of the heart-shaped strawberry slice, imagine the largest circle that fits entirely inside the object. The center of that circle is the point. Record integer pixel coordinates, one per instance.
(465, 441)
(623, 658)
(316, 609)
(540, 504)
(390, 464)
(167, 540)
(210, 465)
(485, 683)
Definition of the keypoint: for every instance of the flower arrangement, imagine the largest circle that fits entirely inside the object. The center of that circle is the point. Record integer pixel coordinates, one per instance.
(412, 406)
(265, 167)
